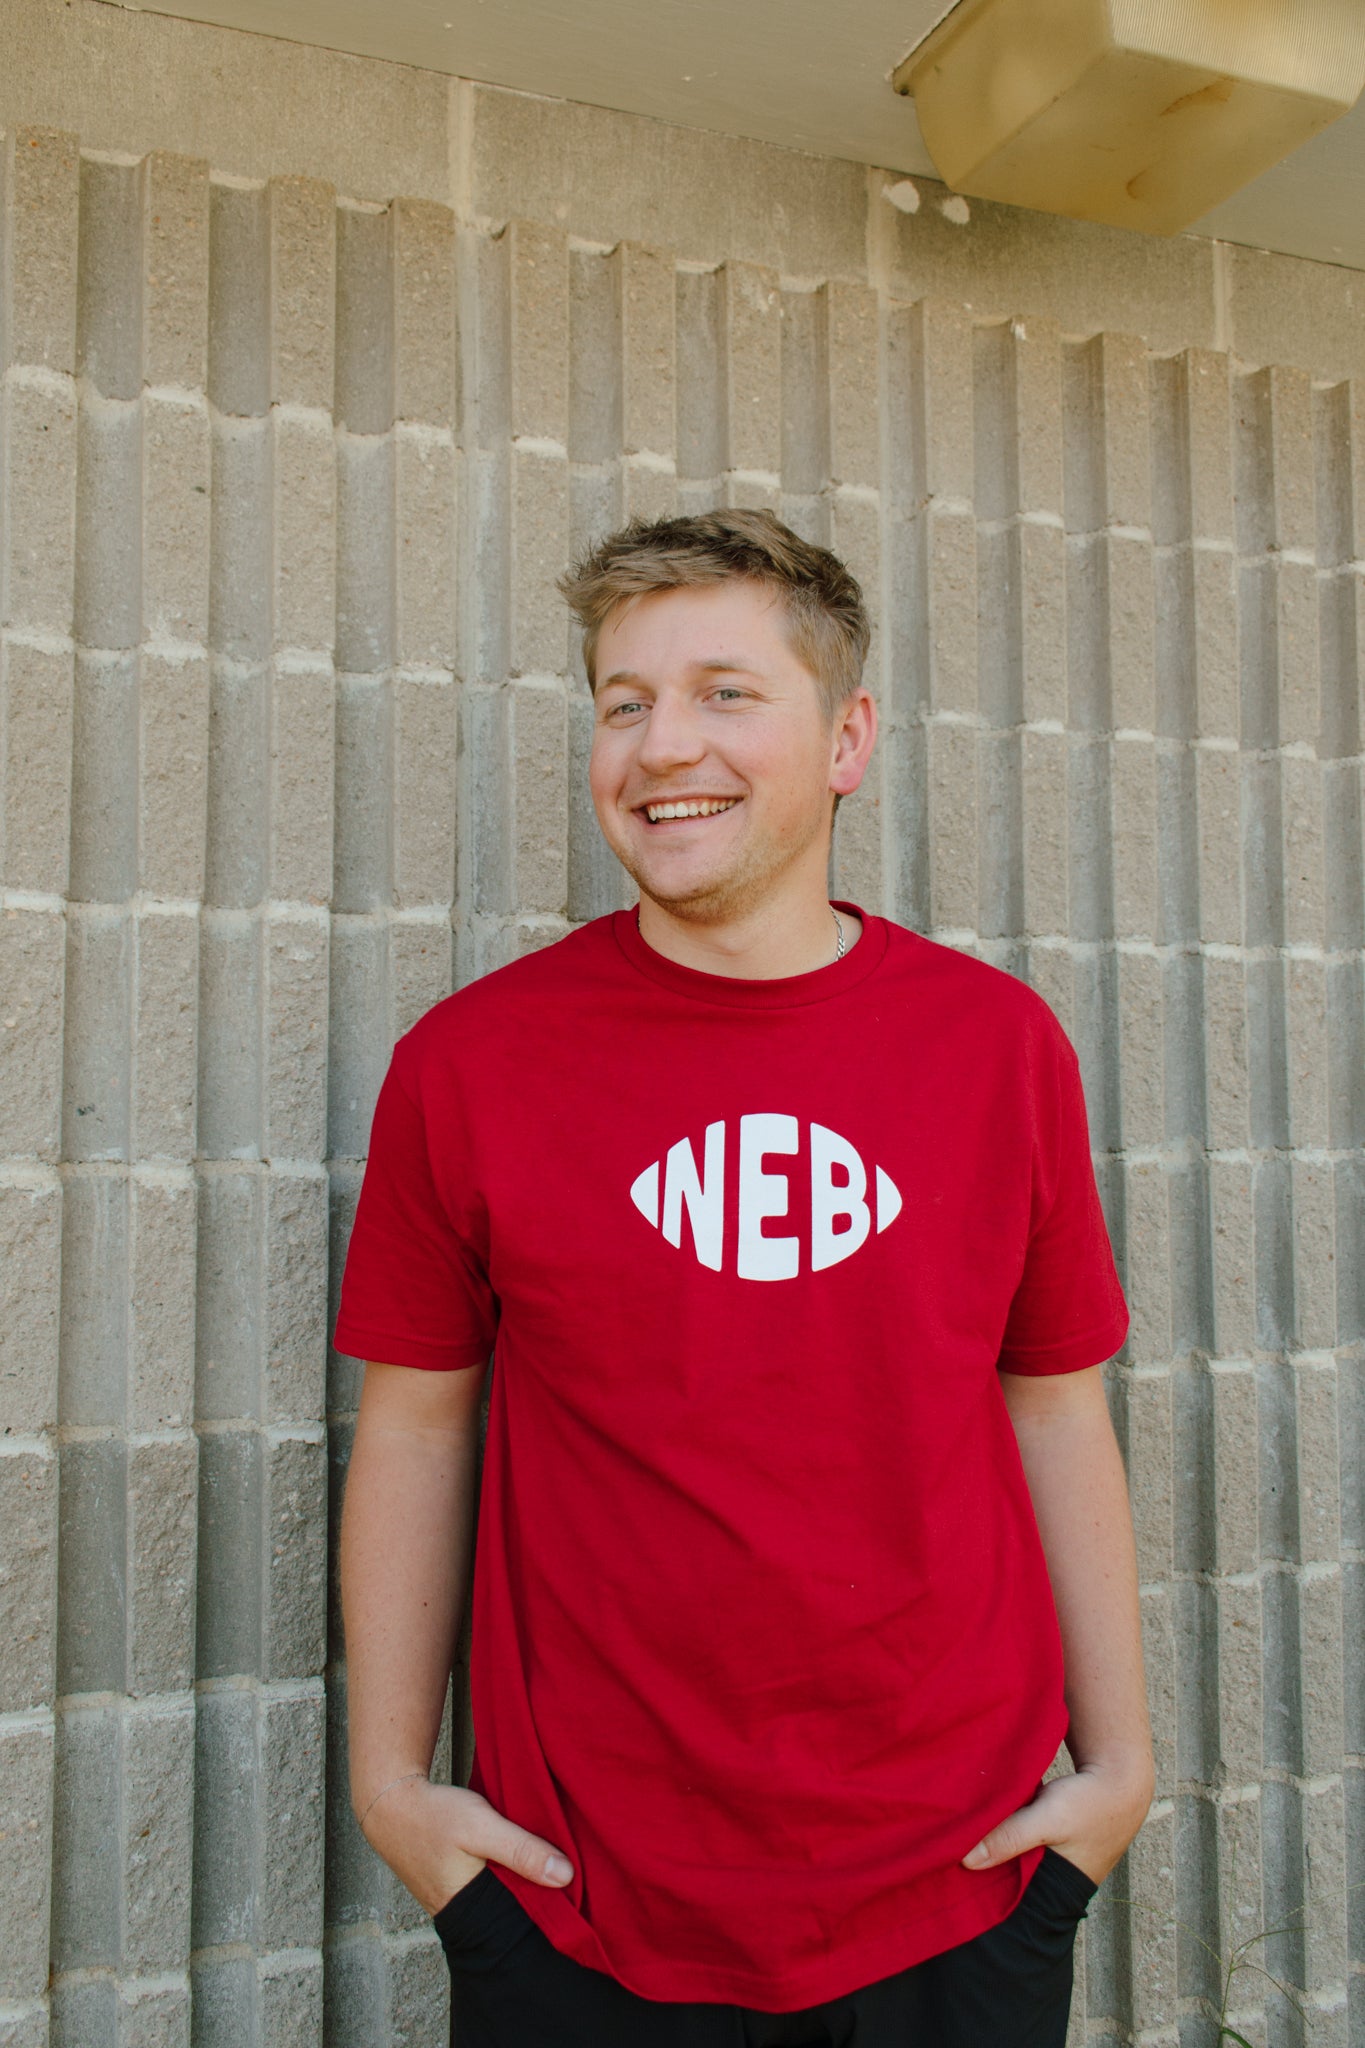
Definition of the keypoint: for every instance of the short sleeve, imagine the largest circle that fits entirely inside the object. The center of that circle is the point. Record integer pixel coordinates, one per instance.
(412, 1292)
(1068, 1311)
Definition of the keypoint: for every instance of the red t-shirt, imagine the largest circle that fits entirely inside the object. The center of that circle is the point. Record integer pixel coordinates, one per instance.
(763, 1637)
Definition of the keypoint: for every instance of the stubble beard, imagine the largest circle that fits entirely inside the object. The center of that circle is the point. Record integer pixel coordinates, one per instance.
(728, 897)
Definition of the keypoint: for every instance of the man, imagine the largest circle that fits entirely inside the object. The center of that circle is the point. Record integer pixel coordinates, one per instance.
(782, 1222)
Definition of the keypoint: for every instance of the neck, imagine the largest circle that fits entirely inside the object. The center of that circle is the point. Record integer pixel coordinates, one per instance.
(765, 941)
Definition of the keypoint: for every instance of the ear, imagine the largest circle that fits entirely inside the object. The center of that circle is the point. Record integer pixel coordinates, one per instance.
(853, 738)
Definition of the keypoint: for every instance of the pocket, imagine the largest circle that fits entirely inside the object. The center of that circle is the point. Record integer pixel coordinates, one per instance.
(481, 1924)
(1062, 1885)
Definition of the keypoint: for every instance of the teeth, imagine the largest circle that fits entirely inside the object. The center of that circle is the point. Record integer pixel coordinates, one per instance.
(703, 807)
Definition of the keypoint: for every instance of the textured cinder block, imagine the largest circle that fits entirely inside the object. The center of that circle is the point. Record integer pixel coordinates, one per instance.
(1315, 1254)
(43, 181)
(225, 1901)
(229, 1577)
(92, 1566)
(31, 977)
(1304, 879)
(423, 801)
(952, 806)
(163, 1080)
(806, 400)
(941, 603)
(294, 1056)
(161, 1310)
(359, 1036)
(289, 1996)
(175, 213)
(26, 1805)
(356, 2005)
(32, 2025)
(1150, 1867)
(161, 1517)
(302, 745)
(94, 1299)
(103, 824)
(750, 313)
(1240, 1703)
(540, 530)
(109, 278)
(293, 1622)
(176, 452)
(154, 2014)
(420, 971)
(35, 798)
(858, 869)
(87, 1846)
(364, 402)
(538, 271)
(28, 1572)
(227, 1295)
(302, 226)
(1040, 621)
(853, 370)
(38, 473)
(226, 2009)
(30, 1300)
(241, 532)
(1141, 1015)
(229, 1035)
(364, 789)
(295, 1296)
(1149, 1448)
(173, 715)
(1147, 1253)
(645, 287)
(420, 1986)
(423, 242)
(291, 1751)
(239, 300)
(98, 996)
(538, 768)
(1130, 645)
(303, 473)
(424, 548)
(595, 367)
(1319, 1462)
(1227, 1081)
(1320, 1647)
(156, 1816)
(1236, 1451)
(1219, 796)
(1324, 1885)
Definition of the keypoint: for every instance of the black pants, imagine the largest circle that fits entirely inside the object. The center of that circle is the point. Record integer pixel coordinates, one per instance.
(1007, 1988)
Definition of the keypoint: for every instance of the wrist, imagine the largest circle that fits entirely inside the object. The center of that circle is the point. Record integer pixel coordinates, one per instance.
(364, 1803)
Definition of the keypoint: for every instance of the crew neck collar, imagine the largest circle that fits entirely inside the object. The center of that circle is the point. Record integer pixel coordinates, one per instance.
(783, 992)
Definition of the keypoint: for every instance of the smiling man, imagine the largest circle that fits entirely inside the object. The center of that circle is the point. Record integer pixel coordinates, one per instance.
(803, 1538)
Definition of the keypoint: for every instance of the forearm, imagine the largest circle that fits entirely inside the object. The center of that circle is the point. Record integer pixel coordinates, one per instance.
(405, 1546)
(1080, 1498)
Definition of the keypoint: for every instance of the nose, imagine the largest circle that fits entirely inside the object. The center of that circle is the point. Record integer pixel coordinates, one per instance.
(673, 737)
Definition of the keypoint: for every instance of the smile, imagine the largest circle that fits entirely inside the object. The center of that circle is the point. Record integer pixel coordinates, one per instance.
(700, 807)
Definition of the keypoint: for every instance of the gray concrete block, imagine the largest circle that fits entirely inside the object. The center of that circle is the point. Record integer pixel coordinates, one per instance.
(359, 1037)
(162, 1514)
(241, 562)
(538, 313)
(1304, 879)
(364, 786)
(1324, 1886)
(595, 368)
(163, 1082)
(1235, 1459)
(424, 548)
(38, 477)
(1315, 1254)
(645, 287)
(952, 804)
(540, 512)
(1149, 1456)
(1131, 638)
(1043, 768)
(1227, 1080)
(421, 1990)
(750, 316)
(237, 771)
(103, 824)
(300, 801)
(1320, 1648)
(94, 1300)
(154, 2014)
(30, 1302)
(355, 1992)
(228, 1305)
(176, 451)
(302, 228)
(238, 369)
(540, 797)
(87, 1848)
(28, 1575)
(226, 1855)
(229, 1036)
(420, 959)
(940, 597)
(1219, 798)
(226, 2012)
(424, 790)
(25, 1846)
(43, 191)
(423, 244)
(1141, 1051)
(175, 202)
(1240, 1699)
(363, 403)
(109, 278)
(92, 1561)
(85, 2012)
(294, 1050)
(156, 1818)
(290, 1999)
(293, 1620)
(303, 512)
(98, 997)
(35, 792)
(1147, 1256)
(295, 1237)
(853, 370)
(292, 1753)
(173, 717)
(931, 402)
(229, 1579)
(1151, 1872)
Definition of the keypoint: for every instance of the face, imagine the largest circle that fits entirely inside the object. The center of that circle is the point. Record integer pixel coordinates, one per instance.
(714, 760)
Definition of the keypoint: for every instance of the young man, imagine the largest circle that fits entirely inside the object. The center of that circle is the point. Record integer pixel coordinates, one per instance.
(782, 1224)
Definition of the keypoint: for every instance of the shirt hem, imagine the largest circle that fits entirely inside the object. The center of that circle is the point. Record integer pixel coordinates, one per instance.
(1092, 1349)
(353, 1340)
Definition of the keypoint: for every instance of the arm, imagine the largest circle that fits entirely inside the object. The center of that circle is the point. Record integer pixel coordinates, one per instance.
(406, 1539)
(1075, 1476)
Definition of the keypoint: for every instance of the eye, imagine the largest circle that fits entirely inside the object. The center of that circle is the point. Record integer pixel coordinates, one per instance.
(727, 692)
(623, 710)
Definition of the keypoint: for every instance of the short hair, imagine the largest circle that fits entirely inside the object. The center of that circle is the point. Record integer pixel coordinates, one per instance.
(826, 617)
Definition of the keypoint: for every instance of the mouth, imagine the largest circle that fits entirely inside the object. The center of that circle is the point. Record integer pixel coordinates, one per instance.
(667, 811)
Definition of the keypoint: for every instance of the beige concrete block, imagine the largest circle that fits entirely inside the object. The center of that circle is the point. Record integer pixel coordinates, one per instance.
(164, 1049)
(107, 595)
(1240, 1702)
(302, 740)
(425, 742)
(425, 594)
(1300, 698)
(162, 1214)
(38, 477)
(1319, 1467)
(1122, 376)
(1150, 1461)
(30, 1301)
(1151, 1884)
(612, 177)
(32, 976)
(304, 491)
(97, 1000)
(175, 279)
(173, 719)
(44, 197)
(162, 1515)
(1041, 570)
(1207, 409)
(28, 1577)
(944, 543)
(1227, 1081)
(646, 493)
(421, 970)
(1142, 1043)
(538, 265)
(293, 1624)
(855, 449)
(646, 291)
(26, 1897)
(1234, 1267)
(36, 717)
(295, 1297)
(1305, 885)
(743, 492)
(1034, 379)
(1131, 622)
(294, 1049)
(1240, 1875)
(929, 383)
(1320, 1646)
(539, 749)
(1214, 644)
(1043, 767)
(175, 519)
(859, 865)
(1285, 310)
(1325, 1893)
(855, 536)
(1133, 786)
(1052, 973)
(1218, 797)
(302, 292)
(423, 241)
(540, 532)
(1236, 1456)
(1307, 1051)
(952, 806)
(751, 326)
(1148, 1266)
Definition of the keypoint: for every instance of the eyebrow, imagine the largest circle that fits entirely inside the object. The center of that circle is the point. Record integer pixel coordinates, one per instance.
(715, 664)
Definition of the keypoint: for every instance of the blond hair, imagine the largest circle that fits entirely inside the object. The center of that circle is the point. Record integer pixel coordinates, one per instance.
(826, 618)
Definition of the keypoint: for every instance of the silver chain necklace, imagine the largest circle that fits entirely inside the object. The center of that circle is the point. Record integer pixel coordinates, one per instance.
(839, 927)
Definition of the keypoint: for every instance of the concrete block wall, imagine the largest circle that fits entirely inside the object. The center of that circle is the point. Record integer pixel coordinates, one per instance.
(292, 738)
